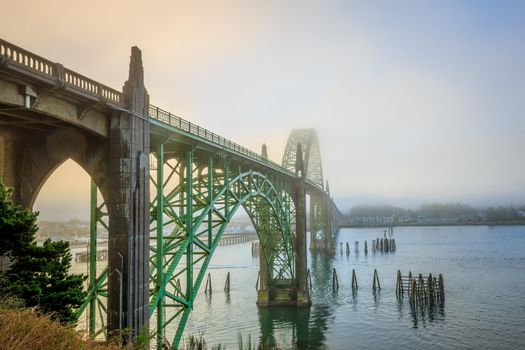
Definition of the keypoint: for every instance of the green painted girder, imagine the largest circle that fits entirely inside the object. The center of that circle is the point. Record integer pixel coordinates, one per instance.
(191, 208)
(199, 206)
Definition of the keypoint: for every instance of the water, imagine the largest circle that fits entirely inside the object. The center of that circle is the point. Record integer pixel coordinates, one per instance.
(483, 268)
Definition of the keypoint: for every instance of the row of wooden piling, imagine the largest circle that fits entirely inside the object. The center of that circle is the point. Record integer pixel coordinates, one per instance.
(238, 238)
(383, 245)
(335, 281)
(255, 249)
(208, 288)
(423, 290)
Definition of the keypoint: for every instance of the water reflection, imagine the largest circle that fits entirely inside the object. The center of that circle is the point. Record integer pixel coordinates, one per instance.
(307, 326)
(425, 315)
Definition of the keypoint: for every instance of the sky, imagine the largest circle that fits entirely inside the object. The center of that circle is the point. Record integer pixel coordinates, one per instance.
(413, 101)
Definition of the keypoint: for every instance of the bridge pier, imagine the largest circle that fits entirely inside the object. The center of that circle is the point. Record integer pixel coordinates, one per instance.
(282, 292)
(128, 206)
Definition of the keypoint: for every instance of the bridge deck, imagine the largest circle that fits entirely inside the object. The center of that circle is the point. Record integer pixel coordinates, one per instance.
(17, 60)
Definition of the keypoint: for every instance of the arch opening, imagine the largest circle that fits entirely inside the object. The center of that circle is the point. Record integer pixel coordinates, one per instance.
(67, 201)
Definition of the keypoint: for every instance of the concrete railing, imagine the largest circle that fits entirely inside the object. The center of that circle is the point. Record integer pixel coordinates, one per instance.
(40, 66)
(25, 58)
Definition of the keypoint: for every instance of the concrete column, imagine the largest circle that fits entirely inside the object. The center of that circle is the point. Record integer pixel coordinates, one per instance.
(263, 270)
(128, 206)
(9, 165)
(2, 158)
(264, 152)
(301, 263)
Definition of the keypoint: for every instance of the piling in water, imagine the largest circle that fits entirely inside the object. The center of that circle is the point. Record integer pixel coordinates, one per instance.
(376, 284)
(373, 246)
(354, 281)
(347, 249)
(341, 248)
(207, 288)
(366, 248)
(399, 285)
(309, 279)
(335, 281)
(422, 291)
(356, 247)
(227, 284)
(178, 288)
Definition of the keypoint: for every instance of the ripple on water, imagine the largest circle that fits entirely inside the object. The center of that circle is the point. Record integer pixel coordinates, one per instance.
(484, 270)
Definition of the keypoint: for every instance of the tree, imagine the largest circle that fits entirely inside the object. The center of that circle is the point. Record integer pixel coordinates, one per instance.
(17, 225)
(39, 275)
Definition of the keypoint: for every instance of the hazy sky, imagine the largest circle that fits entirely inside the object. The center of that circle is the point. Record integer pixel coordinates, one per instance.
(413, 101)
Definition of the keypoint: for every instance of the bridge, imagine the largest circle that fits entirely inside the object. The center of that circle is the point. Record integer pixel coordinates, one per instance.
(169, 189)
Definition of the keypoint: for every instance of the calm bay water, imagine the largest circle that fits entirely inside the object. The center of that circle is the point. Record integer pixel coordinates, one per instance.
(483, 268)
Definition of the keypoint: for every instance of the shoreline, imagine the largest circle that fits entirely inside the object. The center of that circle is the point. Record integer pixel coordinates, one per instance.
(512, 223)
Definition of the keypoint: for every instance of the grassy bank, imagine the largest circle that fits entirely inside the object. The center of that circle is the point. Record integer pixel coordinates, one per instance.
(24, 329)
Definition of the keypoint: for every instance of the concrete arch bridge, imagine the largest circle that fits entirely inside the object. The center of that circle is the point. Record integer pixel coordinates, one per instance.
(169, 190)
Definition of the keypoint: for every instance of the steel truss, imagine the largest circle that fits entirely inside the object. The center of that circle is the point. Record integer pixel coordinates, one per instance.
(194, 197)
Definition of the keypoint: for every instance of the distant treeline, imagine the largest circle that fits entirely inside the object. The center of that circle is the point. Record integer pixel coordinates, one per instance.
(438, 210)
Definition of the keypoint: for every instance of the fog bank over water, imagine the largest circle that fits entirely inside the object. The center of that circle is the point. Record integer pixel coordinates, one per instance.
(413, 101)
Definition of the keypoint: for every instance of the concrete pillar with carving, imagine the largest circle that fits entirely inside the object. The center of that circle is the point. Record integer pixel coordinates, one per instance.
(128, 206)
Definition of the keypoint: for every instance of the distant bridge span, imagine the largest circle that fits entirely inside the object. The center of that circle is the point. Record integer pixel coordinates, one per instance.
(170, 188)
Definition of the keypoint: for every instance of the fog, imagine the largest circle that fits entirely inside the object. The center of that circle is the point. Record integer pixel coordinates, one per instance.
(413, 101)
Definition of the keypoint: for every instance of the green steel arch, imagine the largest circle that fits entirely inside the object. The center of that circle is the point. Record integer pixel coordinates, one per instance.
(321, 232)
(311, 154)
(195, 198)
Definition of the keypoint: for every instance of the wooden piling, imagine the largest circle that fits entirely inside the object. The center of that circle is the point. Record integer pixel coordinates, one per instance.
(178, 288)
(413, 294)
(376, 284)
(366, 247)
(373, 246)
(347, 249)
(430, 289)
(335, 281)
(341, 248)
(354, 280)
(441, 288)
(399, 285)
(227, 284)
(309, 279)
(356, 247)
(207, 288)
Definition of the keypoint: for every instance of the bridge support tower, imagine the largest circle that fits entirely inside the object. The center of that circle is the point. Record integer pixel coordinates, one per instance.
(290, 292)
(128, 206)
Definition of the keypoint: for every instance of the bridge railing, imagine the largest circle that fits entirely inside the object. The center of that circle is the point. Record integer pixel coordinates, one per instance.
(56, 72)
(179, 123)
(27, 59)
